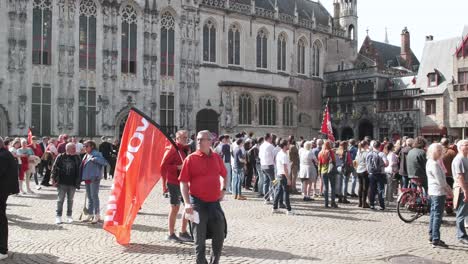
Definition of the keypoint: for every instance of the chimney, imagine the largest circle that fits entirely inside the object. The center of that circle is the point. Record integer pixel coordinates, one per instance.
(406, 48)
(429, 38)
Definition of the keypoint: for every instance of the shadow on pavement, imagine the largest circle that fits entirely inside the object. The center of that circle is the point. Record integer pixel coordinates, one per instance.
(20, 221)
(145, 228)
(41, 196)
(264, 254)
(19, 258)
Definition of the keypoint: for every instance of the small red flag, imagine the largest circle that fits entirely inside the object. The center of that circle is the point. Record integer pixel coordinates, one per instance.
(326, 125)
(30, 135)
(137, 171)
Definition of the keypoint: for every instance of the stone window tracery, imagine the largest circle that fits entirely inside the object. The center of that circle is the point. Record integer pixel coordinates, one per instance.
(87, 34)
(282, 52)
(209, 42)
(167, 44)
(42, 32)
(245, 109)
(267, 111)
(262, 49)
(234, 45)
(129, 40)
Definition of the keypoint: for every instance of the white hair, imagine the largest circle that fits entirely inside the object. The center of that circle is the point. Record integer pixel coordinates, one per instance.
(24, 141)
(409, 142)
(204, 132)
(432, 150)
(319, 142)
(308, 145)
(461, 143)
(68, 147)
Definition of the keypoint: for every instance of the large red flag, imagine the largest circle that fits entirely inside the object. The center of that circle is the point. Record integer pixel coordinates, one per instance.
(30, 135)
(326, 125)
(137, 171)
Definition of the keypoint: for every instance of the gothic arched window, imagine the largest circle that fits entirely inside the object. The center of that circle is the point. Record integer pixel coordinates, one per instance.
(262, 49)
(245, 109)
(167, 44)
(267, 111)
(316, 59)
(87, 34)
(301, 44)
(351, 32)
(42, 32)
(234, 45)
(282, 52)
(288, 111)
(129, 39)
(209, 42)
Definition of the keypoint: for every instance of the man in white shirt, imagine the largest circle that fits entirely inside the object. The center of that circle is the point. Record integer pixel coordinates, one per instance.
(283, 177)
(267, 162)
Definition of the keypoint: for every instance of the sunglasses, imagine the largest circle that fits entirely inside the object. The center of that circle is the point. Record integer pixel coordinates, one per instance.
(201, 139)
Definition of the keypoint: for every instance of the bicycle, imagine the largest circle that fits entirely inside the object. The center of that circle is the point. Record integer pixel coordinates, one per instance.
(413, 203)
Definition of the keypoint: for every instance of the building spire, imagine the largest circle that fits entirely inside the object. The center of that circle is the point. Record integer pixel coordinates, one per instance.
(386, 36)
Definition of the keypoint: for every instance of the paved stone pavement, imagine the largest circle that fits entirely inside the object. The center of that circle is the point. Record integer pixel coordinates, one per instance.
(315, 235)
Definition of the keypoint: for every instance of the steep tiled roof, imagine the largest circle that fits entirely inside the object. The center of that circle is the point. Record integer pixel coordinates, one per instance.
(391, 54)
(437, 55)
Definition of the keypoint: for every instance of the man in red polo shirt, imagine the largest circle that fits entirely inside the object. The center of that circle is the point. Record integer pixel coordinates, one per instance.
(170, 168)
(200, 176)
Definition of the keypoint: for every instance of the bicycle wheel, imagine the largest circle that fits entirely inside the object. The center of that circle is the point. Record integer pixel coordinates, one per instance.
(407, 207)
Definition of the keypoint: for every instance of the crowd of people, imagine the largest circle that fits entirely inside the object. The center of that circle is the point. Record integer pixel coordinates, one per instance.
(271, 167)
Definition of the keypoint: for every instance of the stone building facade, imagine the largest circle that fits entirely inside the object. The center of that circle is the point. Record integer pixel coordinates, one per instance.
(376, 94)
(78, 66)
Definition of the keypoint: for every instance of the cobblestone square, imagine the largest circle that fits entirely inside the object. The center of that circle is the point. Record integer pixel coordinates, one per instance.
(314, 235)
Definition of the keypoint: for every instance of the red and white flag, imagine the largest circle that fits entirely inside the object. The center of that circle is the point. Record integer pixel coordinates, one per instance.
(30, 135)
(137, 171)
(326, 125)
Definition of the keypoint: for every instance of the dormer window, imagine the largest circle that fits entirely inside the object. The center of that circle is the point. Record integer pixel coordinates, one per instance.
(432, 79)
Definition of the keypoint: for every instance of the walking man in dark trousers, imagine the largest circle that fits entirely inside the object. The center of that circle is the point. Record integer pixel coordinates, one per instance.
(200, 184)
(8, 186)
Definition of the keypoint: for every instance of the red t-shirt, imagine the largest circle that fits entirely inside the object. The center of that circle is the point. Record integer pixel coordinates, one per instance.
(170, 161)
(37, 150)
(202, 173)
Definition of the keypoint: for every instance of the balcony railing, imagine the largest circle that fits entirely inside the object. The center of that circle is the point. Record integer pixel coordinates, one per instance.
(398, 93)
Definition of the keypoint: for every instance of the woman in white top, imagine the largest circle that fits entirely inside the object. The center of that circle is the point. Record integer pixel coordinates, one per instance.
(307, 171)
(438, 189)
(363, 175)
(390, 171)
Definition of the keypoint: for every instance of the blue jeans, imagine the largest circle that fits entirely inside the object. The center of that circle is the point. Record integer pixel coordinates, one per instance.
(268, 173)
(282, 191)
(92, 191)
(354, 181)
(69, 192)
(462, 212)
(328, 178)
(377, 185)
(260, 179)
(345, 185)
(404, 181)
(435, 220)
(228, 176)
(238, 178)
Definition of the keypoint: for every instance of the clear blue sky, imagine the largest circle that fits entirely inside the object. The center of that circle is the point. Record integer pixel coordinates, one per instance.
(442, 19)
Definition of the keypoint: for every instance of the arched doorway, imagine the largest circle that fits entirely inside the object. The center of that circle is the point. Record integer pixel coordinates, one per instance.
(347, 133)
(366, 129)
(207, 119)
(120, 121)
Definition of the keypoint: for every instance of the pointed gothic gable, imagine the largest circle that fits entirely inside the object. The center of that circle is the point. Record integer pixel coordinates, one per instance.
(462, 50)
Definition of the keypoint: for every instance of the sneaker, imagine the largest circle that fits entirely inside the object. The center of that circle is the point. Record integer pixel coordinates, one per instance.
(173, 238)
(382, 208)
(58, 220)
(3, 256)
(275, 211)
(372, 207)
(463, 240)
(439, 244)
(69, 220)
(290, 212)
(282, 206)
(185, 237)
(334, 205)
(366, 205)
(96, 219)
(88, 218)
(38, 187)
(30, 192)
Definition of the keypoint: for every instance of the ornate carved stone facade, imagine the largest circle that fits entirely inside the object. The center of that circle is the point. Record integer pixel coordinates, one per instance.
(78, 66)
